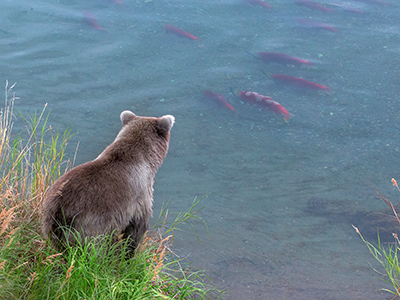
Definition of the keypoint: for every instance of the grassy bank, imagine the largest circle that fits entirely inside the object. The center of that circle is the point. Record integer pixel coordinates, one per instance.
(387, 255)
(30, 268)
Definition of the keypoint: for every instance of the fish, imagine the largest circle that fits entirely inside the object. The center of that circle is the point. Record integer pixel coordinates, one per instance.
(280, 58)
(316, 25)
(179, 32)
(347, 8)
(219, 98)
(299, 82)
(265, 101)
(312, 5)
(258, 3)
(90, 19)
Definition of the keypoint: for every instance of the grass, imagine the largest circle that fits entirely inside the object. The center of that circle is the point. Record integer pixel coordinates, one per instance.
(30, 268)
(387, 256)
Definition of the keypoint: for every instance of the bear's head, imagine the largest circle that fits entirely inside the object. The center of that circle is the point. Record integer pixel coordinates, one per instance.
(143, 137)
(149, 125)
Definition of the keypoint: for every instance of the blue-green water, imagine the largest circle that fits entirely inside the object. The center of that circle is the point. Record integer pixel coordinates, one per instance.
(281, 196)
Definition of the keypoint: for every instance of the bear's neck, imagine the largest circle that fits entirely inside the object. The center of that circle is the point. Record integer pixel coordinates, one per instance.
(124, 155)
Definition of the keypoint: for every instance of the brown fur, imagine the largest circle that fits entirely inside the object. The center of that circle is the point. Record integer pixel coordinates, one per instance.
(114, 191)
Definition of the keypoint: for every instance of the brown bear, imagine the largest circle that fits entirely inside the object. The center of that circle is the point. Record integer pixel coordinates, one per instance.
(113, 192)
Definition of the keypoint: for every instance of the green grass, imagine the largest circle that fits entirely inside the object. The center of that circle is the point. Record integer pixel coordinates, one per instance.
(30, 268)
(387, 255)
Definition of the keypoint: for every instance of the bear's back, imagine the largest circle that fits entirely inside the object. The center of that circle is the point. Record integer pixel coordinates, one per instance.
(114, 191)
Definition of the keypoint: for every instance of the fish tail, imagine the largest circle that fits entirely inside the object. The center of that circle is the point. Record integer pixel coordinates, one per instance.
(288, 117)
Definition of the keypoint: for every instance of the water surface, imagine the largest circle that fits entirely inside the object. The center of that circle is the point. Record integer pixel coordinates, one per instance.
(281, 196)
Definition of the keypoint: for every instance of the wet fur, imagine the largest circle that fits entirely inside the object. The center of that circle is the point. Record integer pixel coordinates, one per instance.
(114, 192)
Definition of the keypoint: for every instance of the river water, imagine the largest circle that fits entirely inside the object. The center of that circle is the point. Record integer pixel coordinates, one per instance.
(281, 197)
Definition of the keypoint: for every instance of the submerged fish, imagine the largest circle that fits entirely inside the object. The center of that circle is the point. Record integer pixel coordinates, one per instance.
(90, 19)
(219, 98)
(316, 25)
(301, 82)
(266, 102)
(179, 32)
(283, 59)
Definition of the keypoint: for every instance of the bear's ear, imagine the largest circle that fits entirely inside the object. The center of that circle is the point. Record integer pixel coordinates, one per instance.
(127, 116)
(166, 122)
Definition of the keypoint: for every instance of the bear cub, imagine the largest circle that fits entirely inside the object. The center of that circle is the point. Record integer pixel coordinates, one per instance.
(113, 191)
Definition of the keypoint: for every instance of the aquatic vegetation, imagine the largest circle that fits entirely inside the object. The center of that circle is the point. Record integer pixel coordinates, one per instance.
(387, 256)
(31, 268)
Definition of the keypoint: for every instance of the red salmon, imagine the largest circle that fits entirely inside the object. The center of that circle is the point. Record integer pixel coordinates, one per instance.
(219, 98)
(283, 59)
(265, 101)
(179, 32)
(299, 82)
(316, 25)
(90, 19)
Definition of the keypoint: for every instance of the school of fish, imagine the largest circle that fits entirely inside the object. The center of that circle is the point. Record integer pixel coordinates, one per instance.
(268, 57)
